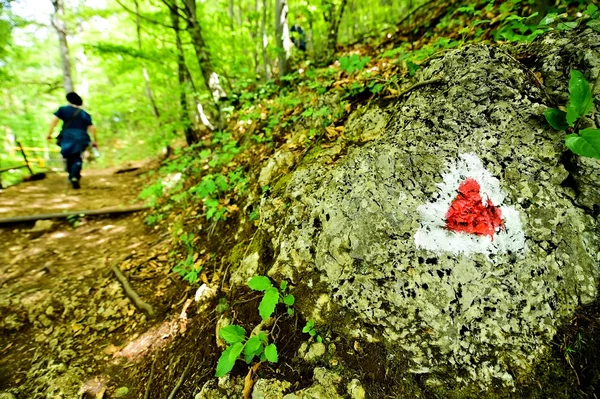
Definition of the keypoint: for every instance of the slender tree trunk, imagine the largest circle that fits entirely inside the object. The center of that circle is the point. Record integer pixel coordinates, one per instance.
(282, 36)
(149, 91)
(191, 135)
(211, 78)
(254, 30)
(333, 19)
(58, 21)
(264, 42)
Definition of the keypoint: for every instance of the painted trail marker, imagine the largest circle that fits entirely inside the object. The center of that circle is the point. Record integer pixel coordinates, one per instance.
(468, 215)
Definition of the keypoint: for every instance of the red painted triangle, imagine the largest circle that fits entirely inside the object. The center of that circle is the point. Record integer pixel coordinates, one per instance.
(468, 213)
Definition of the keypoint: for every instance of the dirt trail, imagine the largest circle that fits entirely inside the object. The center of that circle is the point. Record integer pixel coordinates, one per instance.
(65, 322)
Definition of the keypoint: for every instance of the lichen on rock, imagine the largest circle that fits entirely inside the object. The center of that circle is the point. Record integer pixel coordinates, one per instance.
(481, 318)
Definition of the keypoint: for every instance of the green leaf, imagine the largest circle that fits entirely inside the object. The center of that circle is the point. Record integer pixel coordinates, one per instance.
(221, 183)
(319, 339)
(252, 345)
(562, 26)
(283, 286)
(591, 9)
(271, 353)
(263, 337)
(289, 300)
(594, 24)
(268, 303)
(248, 358)
(232, 334)
(228, 358)
(290, 311)
(556, 118)
(260, 283)
(586, 144)
(580, 97)
(312, 333)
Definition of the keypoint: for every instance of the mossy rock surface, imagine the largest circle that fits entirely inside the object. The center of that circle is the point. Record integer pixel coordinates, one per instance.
(458, 318)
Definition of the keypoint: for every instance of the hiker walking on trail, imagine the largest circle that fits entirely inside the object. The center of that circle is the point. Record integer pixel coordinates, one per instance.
(73, 138)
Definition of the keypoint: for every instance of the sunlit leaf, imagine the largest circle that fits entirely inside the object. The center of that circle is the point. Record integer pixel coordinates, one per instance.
(586, 143)
(232, 334)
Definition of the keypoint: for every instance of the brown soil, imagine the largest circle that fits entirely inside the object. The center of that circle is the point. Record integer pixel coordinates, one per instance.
(66, 326)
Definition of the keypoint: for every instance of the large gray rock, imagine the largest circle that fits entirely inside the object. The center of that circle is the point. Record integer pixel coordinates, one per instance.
(479, 309)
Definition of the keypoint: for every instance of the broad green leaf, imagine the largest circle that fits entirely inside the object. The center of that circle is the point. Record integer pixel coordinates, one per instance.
(556, 118)
(290, 311)
(548, 19)
(228, 358)
(252, 345)
(562, 26)
(312, 333)
(591, 9)
(271, 353)
(232, 334)
(260, 283)
(319, 339)
(580, 97)
(268, 303)
(289, 300)
(586, 144)
(283, 285)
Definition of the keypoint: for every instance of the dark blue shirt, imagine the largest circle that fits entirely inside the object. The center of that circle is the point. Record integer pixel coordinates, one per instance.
(80, 122)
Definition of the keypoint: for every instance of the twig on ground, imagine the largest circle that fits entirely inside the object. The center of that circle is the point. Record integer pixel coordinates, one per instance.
(147, 392)
(180, 381)
(138, 302)
(415, 86)
(249, 381)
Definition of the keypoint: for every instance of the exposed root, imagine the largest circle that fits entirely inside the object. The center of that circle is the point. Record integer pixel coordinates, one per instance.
(135, 298)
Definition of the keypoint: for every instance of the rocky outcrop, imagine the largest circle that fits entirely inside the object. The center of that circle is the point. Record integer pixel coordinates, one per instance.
(474, 309)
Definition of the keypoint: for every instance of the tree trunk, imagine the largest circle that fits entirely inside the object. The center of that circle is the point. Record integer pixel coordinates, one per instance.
(149, 92)
(211, 78)
(265, 42)
(282, 37)
(61, 28)
(191, 135)
(333, 19)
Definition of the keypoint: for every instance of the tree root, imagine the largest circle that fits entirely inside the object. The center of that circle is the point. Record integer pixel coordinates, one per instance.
(415, 86)
(138, 302)
(148, 384)
(180, 381)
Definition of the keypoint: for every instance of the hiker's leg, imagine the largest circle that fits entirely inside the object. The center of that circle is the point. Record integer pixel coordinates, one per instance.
(69, 165)
(76, 165)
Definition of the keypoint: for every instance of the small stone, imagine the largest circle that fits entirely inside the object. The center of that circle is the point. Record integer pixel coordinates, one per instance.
(316, 350)
(355, 390)
(121, 392)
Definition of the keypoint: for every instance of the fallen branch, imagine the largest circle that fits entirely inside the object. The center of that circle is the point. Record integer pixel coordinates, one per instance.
(180, 381)
(415, 86)
(138, 302)
(65, 215)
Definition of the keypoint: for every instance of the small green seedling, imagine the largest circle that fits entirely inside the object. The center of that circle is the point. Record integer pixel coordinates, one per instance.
(256, 346)
(75, 220)
(353, 63)
(585, 142)
(272, 296)
(309, 329)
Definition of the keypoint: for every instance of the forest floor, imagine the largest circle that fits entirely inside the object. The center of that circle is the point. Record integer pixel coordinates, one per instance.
(66, 325)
